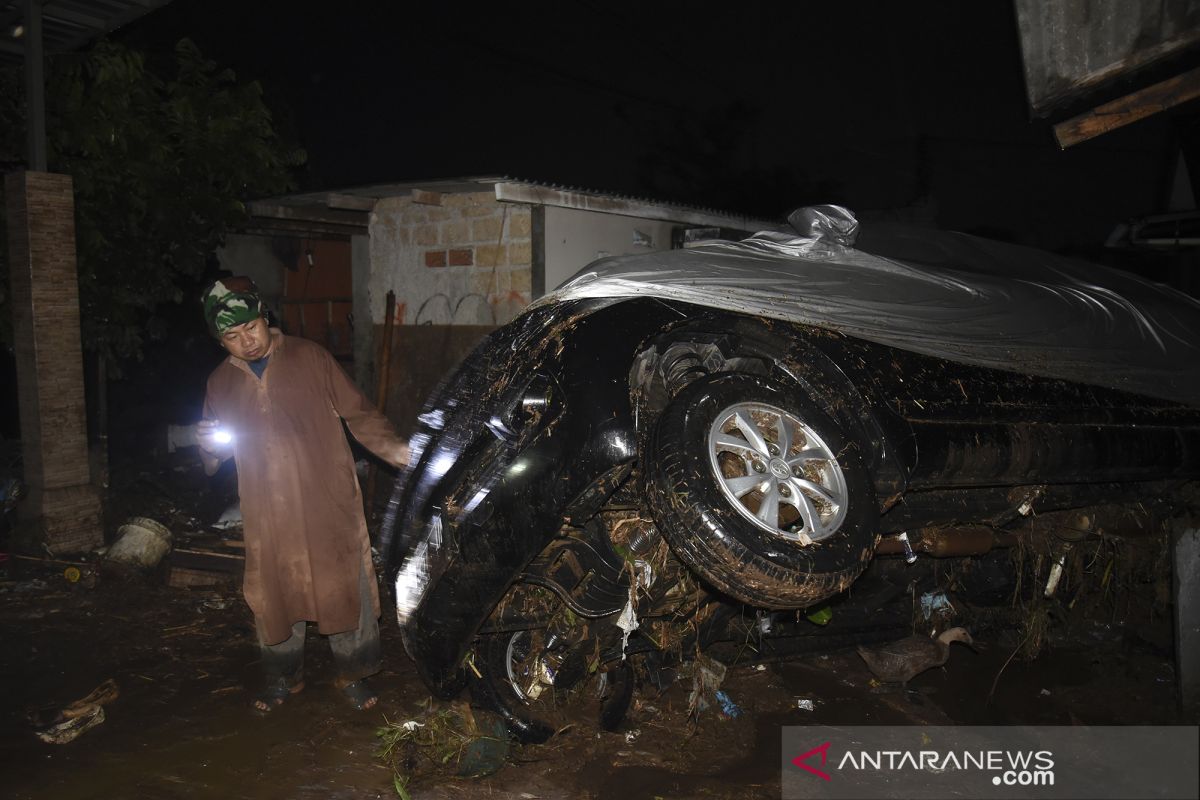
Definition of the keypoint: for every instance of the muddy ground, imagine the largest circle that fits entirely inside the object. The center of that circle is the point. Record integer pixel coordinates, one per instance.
(184, 662)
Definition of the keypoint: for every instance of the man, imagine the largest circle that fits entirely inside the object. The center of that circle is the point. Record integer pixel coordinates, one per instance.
(276, 406)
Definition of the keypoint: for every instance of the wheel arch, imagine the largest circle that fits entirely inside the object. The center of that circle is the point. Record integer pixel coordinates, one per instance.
(799, 356)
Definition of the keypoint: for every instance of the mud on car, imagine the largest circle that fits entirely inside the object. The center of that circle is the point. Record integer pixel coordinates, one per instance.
(690, 451)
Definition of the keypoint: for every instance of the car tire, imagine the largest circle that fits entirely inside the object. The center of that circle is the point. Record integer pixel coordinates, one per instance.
(537, 687)
(805, 530)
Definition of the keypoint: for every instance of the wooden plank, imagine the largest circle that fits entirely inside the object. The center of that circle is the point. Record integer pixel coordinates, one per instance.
(208, 561)
(180, 577)
(1129, 109)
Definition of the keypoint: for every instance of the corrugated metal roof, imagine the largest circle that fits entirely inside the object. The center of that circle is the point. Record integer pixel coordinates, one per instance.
(68, 24)
(520, 190)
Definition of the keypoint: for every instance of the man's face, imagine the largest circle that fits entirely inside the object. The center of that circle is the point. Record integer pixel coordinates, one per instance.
(249, 341)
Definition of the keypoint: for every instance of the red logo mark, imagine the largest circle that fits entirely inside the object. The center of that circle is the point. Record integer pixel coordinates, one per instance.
(800, 759)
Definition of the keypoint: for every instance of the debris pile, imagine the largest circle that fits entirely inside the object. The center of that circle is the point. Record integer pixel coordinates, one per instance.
(62, 725)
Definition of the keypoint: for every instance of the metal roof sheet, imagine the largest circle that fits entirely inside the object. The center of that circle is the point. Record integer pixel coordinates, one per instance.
(68, 24)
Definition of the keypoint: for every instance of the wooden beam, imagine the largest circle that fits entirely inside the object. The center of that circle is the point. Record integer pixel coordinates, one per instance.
(1130, 108)
(327, 216)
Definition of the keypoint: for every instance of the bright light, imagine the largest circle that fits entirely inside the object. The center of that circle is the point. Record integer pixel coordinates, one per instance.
(222, 436)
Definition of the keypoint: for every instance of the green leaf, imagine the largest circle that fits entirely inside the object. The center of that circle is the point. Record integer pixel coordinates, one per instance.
(820, 616)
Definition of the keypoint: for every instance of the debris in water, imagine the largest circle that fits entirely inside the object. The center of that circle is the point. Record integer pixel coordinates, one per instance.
(707, 676)
(470, 743)
(936, 603)
(141, 542)
(1056, 572)
(69, 723)
(231, 518)
(805, 704)
(728, 707)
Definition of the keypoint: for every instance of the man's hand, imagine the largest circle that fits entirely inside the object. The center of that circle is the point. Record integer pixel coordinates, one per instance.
(397, 455)
(213, 440)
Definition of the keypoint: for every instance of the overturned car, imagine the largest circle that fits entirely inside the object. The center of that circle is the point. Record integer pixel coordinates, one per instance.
(680, 449)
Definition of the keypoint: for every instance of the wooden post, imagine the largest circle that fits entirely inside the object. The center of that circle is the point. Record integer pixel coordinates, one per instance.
(381, 386)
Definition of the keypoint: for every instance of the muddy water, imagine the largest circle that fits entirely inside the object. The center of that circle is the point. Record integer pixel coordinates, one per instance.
(181, 727)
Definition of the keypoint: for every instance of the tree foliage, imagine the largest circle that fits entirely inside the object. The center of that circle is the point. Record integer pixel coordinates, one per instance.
(163, 157)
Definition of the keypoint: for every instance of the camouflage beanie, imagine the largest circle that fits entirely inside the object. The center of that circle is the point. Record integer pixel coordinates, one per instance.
(230, 302)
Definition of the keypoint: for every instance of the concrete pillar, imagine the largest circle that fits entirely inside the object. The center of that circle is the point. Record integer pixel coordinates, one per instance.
(45, 303)
(1187, 620)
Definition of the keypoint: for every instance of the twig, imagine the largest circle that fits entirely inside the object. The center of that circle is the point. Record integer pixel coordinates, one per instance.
(1016, 650)
(41, 560)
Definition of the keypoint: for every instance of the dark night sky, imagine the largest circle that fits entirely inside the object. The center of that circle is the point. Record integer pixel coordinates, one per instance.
(745, 107)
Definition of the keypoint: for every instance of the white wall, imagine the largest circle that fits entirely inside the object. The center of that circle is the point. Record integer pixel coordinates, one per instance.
(575, 238)
(251, 255)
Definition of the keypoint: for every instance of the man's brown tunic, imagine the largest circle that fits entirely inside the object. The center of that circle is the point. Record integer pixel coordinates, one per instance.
(306, 538)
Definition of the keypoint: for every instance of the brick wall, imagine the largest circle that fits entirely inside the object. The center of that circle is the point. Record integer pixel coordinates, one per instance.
(452, 259)
(45, 301)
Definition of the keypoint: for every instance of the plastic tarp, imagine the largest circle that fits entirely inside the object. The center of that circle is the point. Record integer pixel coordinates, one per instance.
(938, 293)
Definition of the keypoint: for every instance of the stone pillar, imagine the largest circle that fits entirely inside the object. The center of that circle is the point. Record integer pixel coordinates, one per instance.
(45, 311)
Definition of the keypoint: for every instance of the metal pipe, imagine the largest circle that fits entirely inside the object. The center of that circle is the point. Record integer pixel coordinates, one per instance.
(969, 540)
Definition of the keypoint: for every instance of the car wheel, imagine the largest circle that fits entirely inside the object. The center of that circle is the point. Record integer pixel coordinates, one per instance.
(760, 492)
(538, 682)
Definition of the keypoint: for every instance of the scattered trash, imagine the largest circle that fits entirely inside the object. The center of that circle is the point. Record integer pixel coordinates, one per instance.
(631, 736)
(69, 723)
(728, 707)
(72, 574)
(215, 604)
(936, 603)
(707, 676)
(486, 752)
(760, 668)
(72, 728)
(805, 704)
(909, 555)
(141, 542)
(231, 518)
(471, 743)
(1044, 693)
(1056, 571)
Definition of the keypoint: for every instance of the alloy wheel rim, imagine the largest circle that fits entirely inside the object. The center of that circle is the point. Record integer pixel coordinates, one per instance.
(777, 472)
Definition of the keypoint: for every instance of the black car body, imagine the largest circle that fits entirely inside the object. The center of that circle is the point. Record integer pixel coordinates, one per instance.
(646, 465)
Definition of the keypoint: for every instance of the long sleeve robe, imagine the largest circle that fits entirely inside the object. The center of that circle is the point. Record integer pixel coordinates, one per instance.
(306, 537)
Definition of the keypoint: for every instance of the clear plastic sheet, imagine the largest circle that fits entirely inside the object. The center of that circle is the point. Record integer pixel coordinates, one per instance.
(942, 294)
